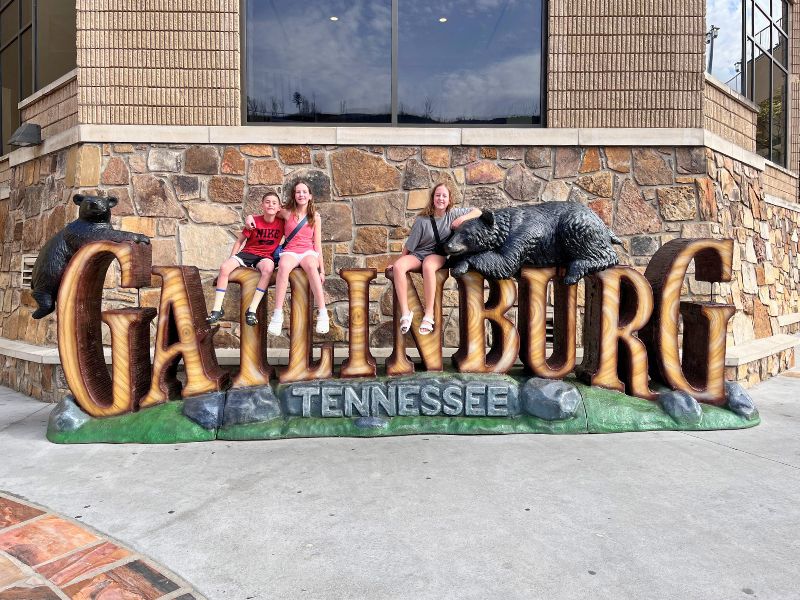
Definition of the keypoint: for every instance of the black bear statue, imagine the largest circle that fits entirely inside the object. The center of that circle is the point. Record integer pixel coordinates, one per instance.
(567, 234)
(93, 224)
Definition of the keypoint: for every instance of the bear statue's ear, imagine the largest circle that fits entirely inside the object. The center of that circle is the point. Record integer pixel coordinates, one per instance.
(77, 198)
(112, 201)
(488, 218)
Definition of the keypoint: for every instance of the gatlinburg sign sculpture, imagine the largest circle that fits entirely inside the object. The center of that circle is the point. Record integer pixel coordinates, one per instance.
(634, 374)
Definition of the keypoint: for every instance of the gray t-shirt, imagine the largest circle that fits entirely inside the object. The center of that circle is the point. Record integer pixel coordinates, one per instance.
(421, 241)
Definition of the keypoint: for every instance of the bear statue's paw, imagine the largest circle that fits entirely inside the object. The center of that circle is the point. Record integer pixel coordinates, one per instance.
(141, 239)
(460, 268)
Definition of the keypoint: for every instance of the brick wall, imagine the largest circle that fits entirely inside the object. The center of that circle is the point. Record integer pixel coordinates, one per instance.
(158, 62)
(780, 184)
(55, 111)
(794, 90)
(728, 117)
(628, 63)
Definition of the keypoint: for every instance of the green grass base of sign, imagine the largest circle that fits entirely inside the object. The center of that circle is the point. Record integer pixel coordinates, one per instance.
(602, 411)
(162, 424)
(611, 412)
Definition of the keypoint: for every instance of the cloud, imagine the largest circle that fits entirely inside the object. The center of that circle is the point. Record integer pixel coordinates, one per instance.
(497, 89)
(727, 15)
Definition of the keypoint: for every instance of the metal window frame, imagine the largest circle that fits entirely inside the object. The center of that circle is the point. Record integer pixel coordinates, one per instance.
(748, 84)
(394, 101)
(21, 29)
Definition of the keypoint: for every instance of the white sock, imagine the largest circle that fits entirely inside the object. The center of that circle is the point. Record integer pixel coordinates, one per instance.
(256, 299)
(277, 314)
(219, 296)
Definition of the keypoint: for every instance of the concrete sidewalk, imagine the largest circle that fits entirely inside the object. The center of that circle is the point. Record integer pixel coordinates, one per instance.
(709, 515)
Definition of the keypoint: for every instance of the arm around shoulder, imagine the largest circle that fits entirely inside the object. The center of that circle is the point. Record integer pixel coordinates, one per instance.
(473, 213)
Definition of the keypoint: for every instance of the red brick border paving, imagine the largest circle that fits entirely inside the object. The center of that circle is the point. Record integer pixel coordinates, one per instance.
(44, 556)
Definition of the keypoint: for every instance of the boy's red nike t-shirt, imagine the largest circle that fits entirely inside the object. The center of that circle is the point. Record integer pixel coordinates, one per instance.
(263, 240)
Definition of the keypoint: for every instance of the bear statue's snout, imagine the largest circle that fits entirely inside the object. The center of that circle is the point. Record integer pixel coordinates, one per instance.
(454, 246)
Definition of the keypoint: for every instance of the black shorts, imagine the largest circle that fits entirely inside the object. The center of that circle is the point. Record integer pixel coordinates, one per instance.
(249, 260)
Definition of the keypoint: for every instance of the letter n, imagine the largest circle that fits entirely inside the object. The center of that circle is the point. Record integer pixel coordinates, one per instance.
(430, 345)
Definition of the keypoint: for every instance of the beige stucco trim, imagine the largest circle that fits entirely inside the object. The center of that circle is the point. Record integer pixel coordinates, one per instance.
(48, 89)
(399, 136)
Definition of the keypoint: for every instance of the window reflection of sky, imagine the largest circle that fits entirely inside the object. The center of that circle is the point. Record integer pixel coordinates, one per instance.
(336, 67)
(482, 64)
(727, 15)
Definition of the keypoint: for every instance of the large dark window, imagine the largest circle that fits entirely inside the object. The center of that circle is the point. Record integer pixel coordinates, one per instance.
(748, 49)
(394, 61)
(319, 61)
(37, 46)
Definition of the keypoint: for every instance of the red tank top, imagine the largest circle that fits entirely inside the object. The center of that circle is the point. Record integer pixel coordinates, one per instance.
(304, 239)
(263, 240)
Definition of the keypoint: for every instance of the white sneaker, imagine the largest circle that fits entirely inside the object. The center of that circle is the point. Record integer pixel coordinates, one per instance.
(275, 325)
(323, 324)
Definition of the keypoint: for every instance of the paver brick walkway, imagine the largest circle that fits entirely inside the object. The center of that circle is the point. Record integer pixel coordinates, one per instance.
(44, 556)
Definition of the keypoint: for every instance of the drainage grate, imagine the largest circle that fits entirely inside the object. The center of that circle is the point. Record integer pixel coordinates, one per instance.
(27, 269)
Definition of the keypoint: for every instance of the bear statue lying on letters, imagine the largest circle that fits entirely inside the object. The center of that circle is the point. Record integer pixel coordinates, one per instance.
(93, 224)
(499, 243)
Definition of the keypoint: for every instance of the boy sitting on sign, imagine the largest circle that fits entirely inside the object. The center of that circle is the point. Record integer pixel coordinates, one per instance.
(254, 248)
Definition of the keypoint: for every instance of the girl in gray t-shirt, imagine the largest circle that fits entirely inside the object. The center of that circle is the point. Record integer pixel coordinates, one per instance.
(419, 253)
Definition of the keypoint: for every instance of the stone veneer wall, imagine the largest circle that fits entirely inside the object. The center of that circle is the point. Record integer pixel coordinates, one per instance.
(766, 249)
(728, 117)
(54, 112)
(43, 382)
(170, 62)
(627, 63)
(191, 200)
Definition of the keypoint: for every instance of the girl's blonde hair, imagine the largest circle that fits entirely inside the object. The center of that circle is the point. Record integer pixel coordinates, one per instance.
(428, 211)
(291, 204)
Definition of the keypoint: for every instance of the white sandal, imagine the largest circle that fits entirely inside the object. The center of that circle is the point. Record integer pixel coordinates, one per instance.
(426, 326)
(323, 323)
(405, 322)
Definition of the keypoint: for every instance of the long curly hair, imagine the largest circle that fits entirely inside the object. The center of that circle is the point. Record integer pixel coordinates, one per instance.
(291, 204)
(429, 210)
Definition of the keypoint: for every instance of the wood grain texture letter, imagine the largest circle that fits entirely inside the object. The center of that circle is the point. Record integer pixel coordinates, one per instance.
(301, 367)
(471, 355)
(429, 346)
(702, 373)
(360, 362)
(253, 366)
(533, 319)
(80, 343)
(619, 302)
(183, 333)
